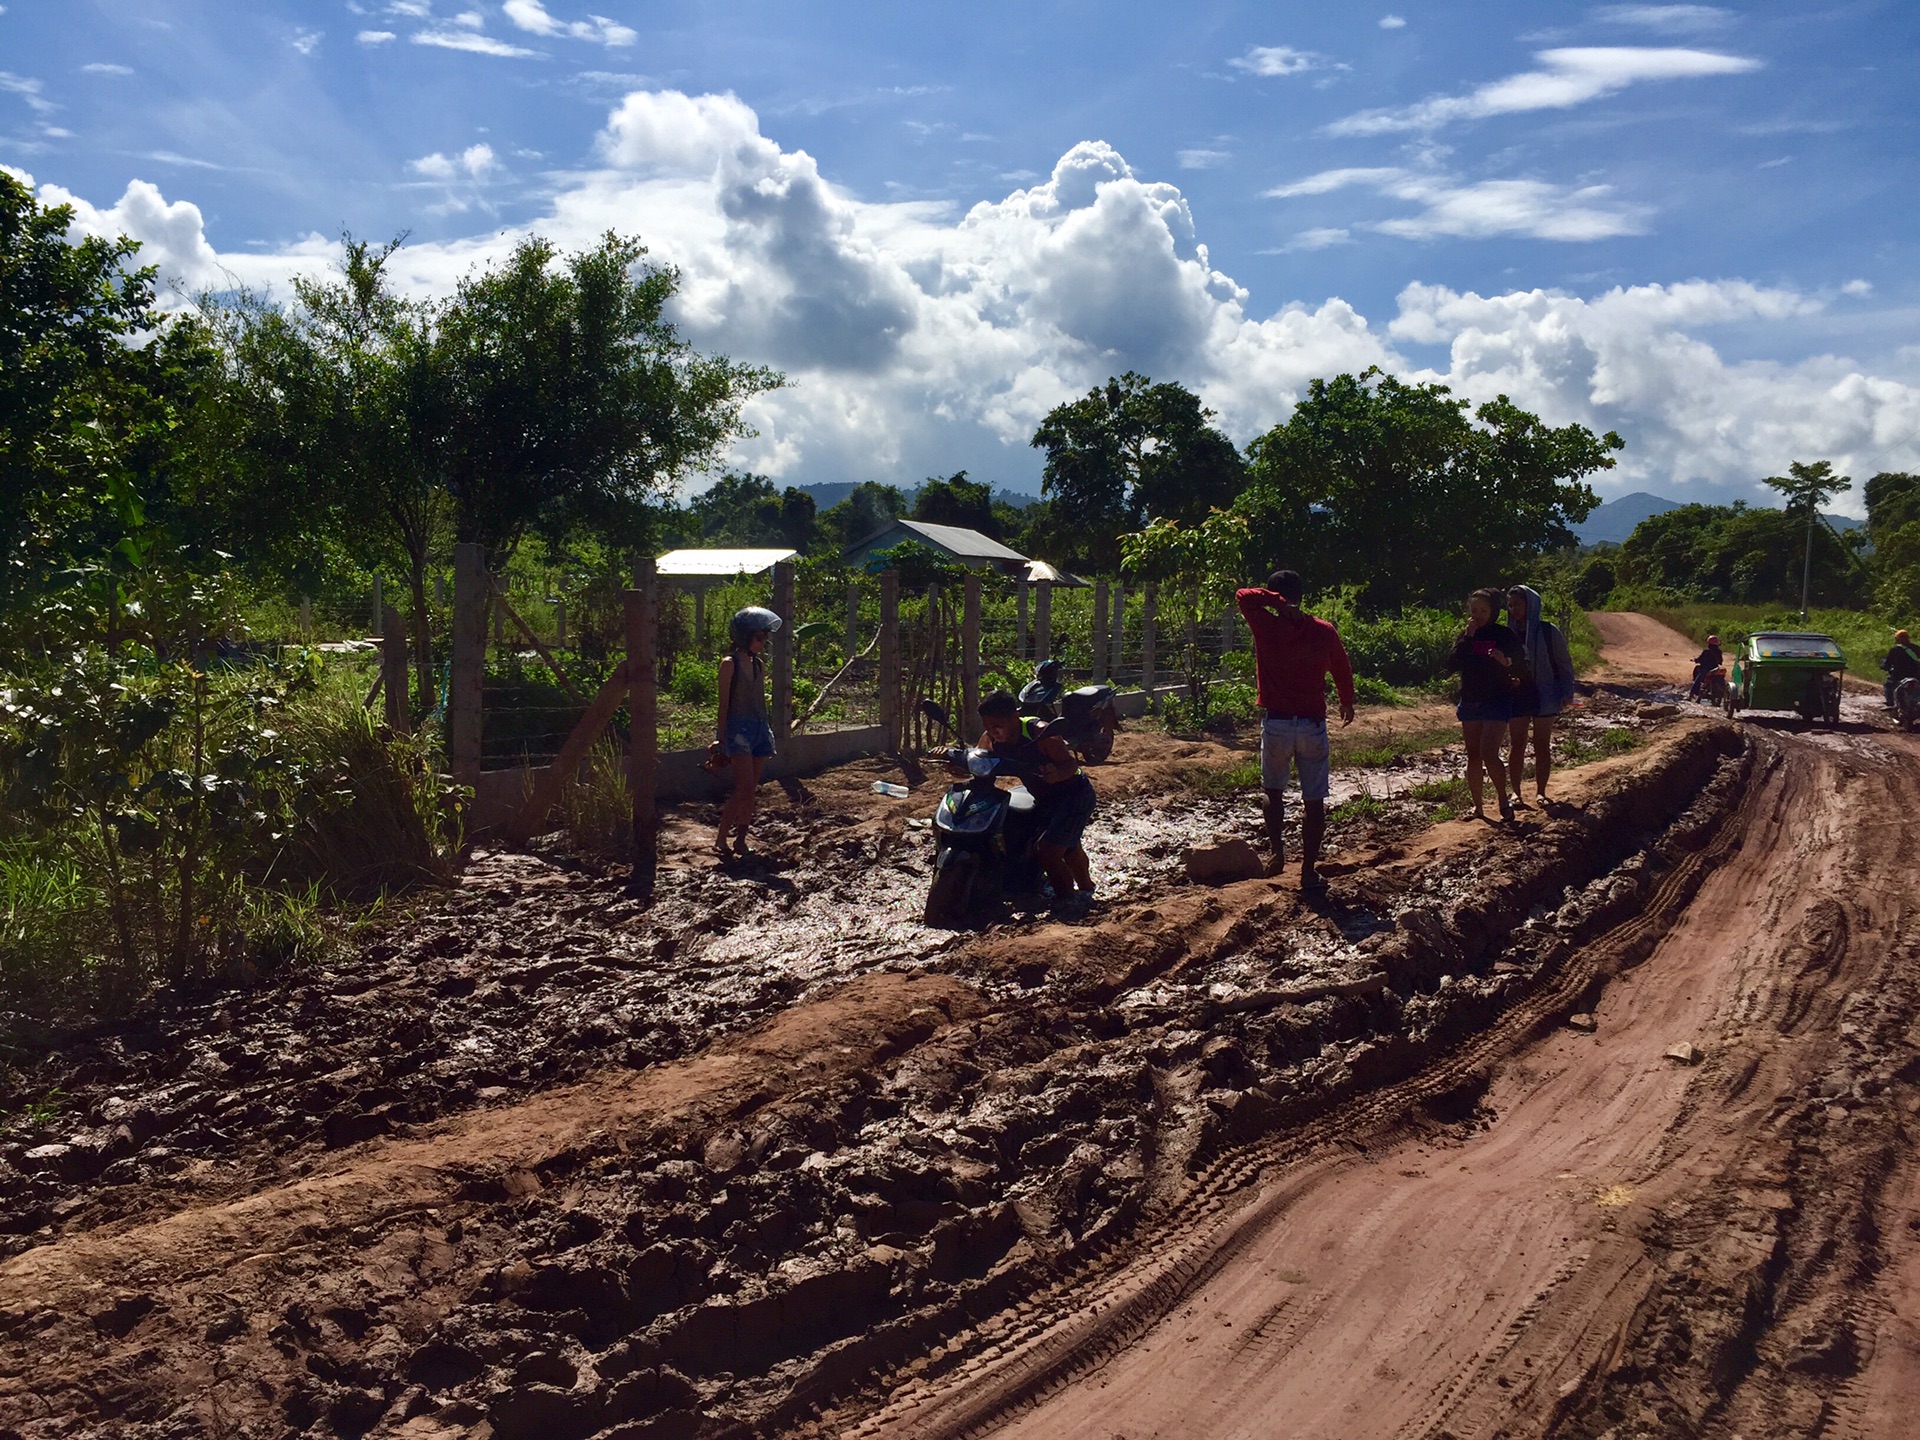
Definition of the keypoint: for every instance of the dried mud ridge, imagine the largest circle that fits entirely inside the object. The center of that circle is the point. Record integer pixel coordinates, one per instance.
(913, 1170)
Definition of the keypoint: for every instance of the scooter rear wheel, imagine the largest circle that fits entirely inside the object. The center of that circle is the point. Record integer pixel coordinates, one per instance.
(951, 894)
(1098, 746)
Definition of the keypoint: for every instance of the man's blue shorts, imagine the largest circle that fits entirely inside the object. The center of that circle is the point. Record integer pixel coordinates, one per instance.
(748, 736)
(1299, 742)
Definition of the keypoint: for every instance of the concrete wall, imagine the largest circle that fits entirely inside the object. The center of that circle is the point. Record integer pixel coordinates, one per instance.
(500, 793)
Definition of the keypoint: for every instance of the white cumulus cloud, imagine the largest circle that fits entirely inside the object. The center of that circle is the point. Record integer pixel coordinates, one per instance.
(532, 16)
(919, 338)
(1392, 22)
(375, 37)
(1566, 77)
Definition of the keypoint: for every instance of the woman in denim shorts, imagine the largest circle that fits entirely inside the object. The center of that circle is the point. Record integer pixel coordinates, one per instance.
(745, 736)
(1484, 657)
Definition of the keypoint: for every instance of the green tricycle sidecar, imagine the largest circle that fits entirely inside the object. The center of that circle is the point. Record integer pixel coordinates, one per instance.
(1788, 670)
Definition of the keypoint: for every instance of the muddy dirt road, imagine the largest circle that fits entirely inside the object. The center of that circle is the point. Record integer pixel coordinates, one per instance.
(1694, 1212)
(768, 1158)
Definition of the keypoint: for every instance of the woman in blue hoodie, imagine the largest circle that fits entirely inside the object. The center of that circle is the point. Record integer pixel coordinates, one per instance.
(1549, 666)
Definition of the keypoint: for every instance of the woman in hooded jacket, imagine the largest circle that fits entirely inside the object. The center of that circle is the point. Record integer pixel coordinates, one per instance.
(1548, 690)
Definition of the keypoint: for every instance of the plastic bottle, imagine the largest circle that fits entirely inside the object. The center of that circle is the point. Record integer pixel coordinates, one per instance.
(887, 787)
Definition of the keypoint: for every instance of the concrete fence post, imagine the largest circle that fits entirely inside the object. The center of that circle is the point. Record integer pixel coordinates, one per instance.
(969, 652)
(783, 651)
(379, 605)
(1226, 632)
(1119, 631)
(559, 624)
(700, 619)
(467, 676)
(1149, 643)
(853, 621)
(393, 667)
(1099, 631)
(643, 748)
(1043, 621)
(890, 656)
(1020, 623)
(306, 620)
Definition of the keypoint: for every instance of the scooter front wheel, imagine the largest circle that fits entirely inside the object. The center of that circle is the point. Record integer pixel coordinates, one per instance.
(951, 894)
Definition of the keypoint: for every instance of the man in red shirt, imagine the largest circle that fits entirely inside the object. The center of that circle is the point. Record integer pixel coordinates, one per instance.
(1293, 655)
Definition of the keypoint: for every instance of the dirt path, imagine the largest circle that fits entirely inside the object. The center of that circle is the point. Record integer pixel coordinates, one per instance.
(1638, 647)
(1725, 1243)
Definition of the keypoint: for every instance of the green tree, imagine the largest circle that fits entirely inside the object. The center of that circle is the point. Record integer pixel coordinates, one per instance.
(1127, 453)
(1396, 488)
(95, 384)
(1806, 488)
(870, 508)
(568, 398)
(745, 509)
(338, 415)
(957, 501)
(1742, 553)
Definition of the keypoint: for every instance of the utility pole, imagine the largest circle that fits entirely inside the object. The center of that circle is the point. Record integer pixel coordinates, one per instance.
(1806, 565)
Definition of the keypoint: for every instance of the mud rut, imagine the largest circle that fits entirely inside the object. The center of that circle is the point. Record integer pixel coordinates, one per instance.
(931, 1184)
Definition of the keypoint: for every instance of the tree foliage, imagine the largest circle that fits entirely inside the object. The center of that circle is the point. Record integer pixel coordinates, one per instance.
(1127, 453)
(871, 507)
(1740, 553)
(957, 500)
(1396, 488)
(745, 509)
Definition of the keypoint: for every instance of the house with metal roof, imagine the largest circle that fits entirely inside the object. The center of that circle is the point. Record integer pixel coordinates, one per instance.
(955, 542)
(719, 564)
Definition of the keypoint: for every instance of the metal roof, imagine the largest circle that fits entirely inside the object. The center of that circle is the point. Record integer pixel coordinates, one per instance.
(957, 540)
(1038, 570)
(720, 562)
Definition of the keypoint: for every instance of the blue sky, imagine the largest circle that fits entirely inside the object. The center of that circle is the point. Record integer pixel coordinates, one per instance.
(1690, 223)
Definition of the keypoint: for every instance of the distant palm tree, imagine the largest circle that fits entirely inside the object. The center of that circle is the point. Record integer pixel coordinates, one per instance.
(1808, 487)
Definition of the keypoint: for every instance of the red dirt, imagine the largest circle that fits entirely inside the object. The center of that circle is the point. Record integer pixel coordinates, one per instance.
(1620, 1243)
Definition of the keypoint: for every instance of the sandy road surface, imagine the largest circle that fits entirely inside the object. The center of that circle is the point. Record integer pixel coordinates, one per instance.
(1632, 1244)
(1637, 646)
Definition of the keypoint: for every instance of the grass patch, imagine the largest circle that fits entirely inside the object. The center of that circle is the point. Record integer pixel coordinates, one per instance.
(1364, 806)
(1616, 741)
(1374, 751)
(1444, 799)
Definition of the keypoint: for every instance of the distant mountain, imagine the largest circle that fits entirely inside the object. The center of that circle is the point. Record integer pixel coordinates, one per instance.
(1612, 522)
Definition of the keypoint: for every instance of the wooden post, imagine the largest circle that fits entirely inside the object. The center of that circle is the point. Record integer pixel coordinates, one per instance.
(643, 751)
(439, 588)
(1099, 631)
(783, 651)
(699, 618)
(559, 624)
(379, 605)
(969, 652)
(393, 666)
(1119, 630)
(853, 620)
(1226, 632)
(1020, 626)
(1149, 642)
(500, 619)
(1043, 620)
(471, 593)
(306, 620)
(890, 656)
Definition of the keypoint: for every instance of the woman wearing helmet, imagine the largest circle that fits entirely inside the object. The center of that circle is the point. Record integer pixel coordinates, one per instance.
(745, 737)
(1704, 664)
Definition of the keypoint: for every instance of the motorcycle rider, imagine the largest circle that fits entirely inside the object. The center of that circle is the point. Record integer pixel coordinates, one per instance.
(1293, 653)
(1704, 664)
(1902, 663)
(1063, 798)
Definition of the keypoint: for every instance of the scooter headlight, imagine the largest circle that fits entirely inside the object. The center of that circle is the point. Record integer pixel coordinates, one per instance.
(981, 762)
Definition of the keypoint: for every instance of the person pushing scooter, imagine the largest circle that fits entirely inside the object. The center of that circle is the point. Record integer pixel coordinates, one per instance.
(1063, 798)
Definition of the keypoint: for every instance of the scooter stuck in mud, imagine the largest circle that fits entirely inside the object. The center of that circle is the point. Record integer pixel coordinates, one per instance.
(982, 835)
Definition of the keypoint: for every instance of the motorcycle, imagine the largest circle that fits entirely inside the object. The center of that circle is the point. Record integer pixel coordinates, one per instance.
(1906, 703)
(982, 835)
(1711, 687)
(1085, 718)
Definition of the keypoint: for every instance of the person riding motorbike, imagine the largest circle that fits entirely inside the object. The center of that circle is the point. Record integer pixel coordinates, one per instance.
(1063, 798)
(1902, 663)
(1704, 664)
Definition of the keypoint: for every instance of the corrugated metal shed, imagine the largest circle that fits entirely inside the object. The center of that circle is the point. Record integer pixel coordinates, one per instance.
(1038, 570)
(967, 546)
(725, 563)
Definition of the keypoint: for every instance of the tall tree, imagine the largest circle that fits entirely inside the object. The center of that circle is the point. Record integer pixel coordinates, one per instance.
(1126, 453)
(1806, 488)
(957, 500)
(569, 396)
(869, 508)
(745, 509)
(1397, 488)
(94, 383)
